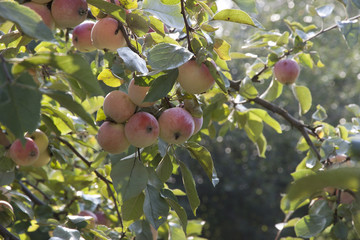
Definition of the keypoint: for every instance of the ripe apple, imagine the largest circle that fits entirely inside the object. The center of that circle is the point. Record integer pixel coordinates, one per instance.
(81, 38)
(69, 13)
(5, 205)
(24, 155)
(106, 34)
(118, 106)
(176, 125)
(195, 78)
(40, 138)
(198, 124)
(346, 198)
(44, 13)
(102, 219)
(286, 71)
(338, 158)
(137, 94)
(41, 1)
(44, 158)
(111, 137)
(142, 129)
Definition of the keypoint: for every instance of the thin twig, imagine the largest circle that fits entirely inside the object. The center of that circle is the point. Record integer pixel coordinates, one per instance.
(28, 193)
(37, 189)
(6, 234)
(285, 220)
(127, 38)
(187, 27)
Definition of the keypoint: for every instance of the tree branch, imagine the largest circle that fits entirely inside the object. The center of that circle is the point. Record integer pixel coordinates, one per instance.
(6, 234)
(127, 38)
(187, 27)
(28, 193)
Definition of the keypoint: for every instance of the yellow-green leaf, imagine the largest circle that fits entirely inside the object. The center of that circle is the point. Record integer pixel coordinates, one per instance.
(109, 79)
(234, 15)
(222, 48)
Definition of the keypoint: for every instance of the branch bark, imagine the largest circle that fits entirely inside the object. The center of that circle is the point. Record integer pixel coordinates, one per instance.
(6, 234)
(187, 27)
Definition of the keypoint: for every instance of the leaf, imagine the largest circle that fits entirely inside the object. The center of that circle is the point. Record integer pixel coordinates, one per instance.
(267, 119)
(325, 11)
(26, 19)
(234, 15)
(303, 95)
(129, 176)
(138, 22)
(132, 61)
(132, 209)
(203, 156)
(350, 31)
(310, 226)
(65, 234)
(219, 77)
(247, 89)
(283, 39)
(129, 4)
(142, 230)
(112, 9)
(109, 79)
(247, 5)
(319, 114)
(73, 64)
(172, 201)
(273, 91)
(190, 188)
(356, 3)
(166, 56)
(169, 14)
(156, 208)
(254, 126)
(261, 145)
(343, 178)
(222, 48)
(161, 86)
(19, 104)
(66, 101)
(165, 168)
(354, 109)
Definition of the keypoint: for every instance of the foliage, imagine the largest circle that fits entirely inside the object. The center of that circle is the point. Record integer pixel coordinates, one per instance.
(47, 84)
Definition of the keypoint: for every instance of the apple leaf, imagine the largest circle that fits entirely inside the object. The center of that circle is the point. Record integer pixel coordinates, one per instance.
(310, 226)
(156, 208)
(220, 79)
(109, 79)
(169, 14)
(222, 48)
(165, 168)
(138, 22)
(247, 5)
(129, 176)
(142, 230)
(132, 61)
(64, 233)
(132, 209)
(173, 202)
(109, 8)
(26, 19)
(20, 100)
(161, 86)
(325, 11)
(166, 56)
(303, 95)
(190, 188)
(234, 15)
(350, 31)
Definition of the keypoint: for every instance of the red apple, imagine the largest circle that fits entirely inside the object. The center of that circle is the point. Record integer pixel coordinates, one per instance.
(142, 129)
(111, 137)
(82, 37)
(137, 94)
(286, 71)
(69, 13)
(195, 78)
(44, 13)
(198, 124)
(118, 106)
(176, 125)
(24, 155)
(106, 34)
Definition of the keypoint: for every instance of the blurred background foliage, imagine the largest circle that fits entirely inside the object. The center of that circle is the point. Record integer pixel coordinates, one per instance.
(246, 202)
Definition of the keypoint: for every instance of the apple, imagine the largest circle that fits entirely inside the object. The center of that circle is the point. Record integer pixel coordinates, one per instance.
(111, 137)
(107, 35)
(346, 198)
(142, 129)
(69, 13)
(44, 159)
(338, 158)
(6, 213)
(41, 1)
(24, 155)
(286, 71)
(176, 125)
(118, 106)
(81, 37)
(102, 219)
(198, 124)
(137, 94)
(44, 13)
(195, 78)
(40, 138)
(5, 205)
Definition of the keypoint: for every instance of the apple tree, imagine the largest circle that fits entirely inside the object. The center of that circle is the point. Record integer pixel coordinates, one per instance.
(100, 100)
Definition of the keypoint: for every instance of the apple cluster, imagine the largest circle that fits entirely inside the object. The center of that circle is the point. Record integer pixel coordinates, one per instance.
(32, 151)
(127, 124)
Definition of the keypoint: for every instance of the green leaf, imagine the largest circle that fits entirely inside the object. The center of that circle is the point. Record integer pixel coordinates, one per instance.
(203, 156)
(261, 144)
(132, 61)
(64, 233)
(303, 96)
(350, 31)
(169, 14)
(132, 209)
(343, 178)
(234, 15)
(142, 230)
(156, 208)
(310, 226)
(173, 203)
(254, 126)
(273, 91)
(161, 86)
(354, 109)
(73, 64)
(129, 176)
(267, 119)
(190, 188)
(306, 59)
(26, 19)
(356, 3)
(219, 77)
(283, 39)
(319, 114)
(247, 5)
(222, 48)
(157, 25)
(138, 22)
(19, 104)
(109, 8)
(165, 168)
(247, 89)
(66, 101)
(166, 56)
(325, 11)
